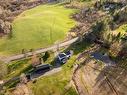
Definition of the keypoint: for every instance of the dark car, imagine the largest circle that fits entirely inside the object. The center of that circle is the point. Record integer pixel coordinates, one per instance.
(38, 71)
(42, 68)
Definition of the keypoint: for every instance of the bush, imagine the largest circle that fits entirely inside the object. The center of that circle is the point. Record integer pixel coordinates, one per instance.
(115, 49)
(98, 28)
(46, 56)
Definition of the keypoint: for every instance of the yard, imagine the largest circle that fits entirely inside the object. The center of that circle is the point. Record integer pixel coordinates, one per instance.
(56, 84)
(38, 27)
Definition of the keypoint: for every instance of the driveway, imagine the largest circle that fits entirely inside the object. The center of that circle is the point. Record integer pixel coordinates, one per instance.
(103, 57)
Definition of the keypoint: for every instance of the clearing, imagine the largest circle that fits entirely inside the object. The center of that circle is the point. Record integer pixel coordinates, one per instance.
(39, 27)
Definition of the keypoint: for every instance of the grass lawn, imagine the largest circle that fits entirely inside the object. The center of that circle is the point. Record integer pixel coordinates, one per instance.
(38, 27)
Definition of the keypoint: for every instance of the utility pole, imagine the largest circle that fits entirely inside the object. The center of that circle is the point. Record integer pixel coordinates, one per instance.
(51, 29)
(56, 51)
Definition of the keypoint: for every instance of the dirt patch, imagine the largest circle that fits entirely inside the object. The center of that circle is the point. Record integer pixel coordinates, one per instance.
(86, 18)
(22, 89)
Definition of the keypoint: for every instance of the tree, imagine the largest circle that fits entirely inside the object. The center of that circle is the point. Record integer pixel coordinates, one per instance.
(115, 49)
(35, 60)
(3, 70)
(46, 56)
(23, 79)
(98, 28)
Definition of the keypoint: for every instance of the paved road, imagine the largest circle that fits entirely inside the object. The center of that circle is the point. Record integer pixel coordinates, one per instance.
(20, 56)
(103, 57)
(48, 73)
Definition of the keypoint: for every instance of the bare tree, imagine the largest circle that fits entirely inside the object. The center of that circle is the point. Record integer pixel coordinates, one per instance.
(23, 79)
(35, 60)
(3, 70)
(115, 48)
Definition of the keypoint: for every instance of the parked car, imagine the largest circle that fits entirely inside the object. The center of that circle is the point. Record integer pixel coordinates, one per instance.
(42, 68)
(38, 71)
(69, 53)
(63, 57)
(108, 7)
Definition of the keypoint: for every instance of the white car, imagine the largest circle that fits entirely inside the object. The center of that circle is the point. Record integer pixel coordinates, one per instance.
(63, 57)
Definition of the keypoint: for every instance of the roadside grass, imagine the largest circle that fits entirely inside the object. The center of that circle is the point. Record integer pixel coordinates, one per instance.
(38, 27)
(18, 67)
(53, 85)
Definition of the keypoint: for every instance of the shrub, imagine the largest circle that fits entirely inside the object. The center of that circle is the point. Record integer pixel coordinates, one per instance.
(46, 56)
(35, 60)
(115, 49)
(98, 28)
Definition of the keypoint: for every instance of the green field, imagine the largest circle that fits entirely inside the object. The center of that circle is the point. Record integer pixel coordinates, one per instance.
(38, 27)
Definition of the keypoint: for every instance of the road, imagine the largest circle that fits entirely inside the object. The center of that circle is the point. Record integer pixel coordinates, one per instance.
(38, 51)
(103, 57)
(48, 73)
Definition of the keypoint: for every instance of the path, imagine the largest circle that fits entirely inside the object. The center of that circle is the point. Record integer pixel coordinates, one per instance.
(20, 56)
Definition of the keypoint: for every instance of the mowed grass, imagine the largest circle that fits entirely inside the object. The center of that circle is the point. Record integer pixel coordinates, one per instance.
(38, 27)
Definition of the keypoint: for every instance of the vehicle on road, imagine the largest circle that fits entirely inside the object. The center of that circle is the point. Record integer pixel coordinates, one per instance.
(63, 57)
